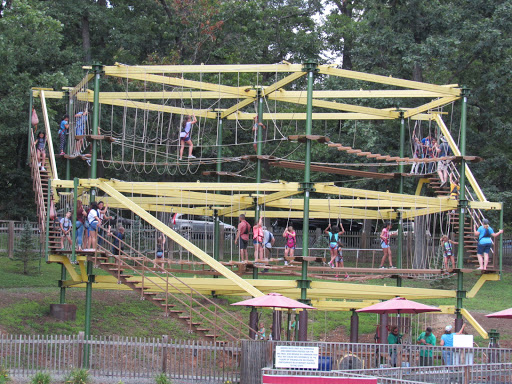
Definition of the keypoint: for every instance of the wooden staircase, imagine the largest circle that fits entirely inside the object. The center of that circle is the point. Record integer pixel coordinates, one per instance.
(470, 241)
(177, 299)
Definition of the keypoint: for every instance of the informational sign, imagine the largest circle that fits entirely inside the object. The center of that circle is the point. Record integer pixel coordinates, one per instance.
(291, 379)
(463, 341)
(296, 357)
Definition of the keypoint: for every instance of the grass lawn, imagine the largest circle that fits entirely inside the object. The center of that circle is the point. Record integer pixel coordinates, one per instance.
(25, 301)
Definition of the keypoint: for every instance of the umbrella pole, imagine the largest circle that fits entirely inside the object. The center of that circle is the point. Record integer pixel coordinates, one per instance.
(303, 325)
(354, 327)
(383, 328)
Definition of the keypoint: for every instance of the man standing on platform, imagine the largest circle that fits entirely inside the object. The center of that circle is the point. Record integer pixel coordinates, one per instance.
(242, 233)
(426, 338)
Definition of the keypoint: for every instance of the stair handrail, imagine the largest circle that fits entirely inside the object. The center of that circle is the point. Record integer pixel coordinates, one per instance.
(49, 141)
(162, 269)
(37, 186)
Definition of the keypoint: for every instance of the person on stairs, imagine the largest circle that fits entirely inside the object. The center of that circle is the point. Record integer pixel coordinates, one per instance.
(384, 243)
(185, 136)
(485, 233)
(41, 150)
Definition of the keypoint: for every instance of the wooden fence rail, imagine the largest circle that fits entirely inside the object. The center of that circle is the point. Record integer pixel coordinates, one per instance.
(122, 357)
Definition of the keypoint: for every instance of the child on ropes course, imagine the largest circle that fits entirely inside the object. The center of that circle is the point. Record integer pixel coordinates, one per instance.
(333, 241)
(185, 136)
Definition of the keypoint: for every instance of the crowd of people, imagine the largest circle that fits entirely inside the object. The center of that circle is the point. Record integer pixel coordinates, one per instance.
(431, 148)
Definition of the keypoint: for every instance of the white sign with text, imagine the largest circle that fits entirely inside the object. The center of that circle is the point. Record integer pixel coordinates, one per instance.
(296, 357)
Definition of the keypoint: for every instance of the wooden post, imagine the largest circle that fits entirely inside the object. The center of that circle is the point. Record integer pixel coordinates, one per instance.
(10, 242)
(165, 353)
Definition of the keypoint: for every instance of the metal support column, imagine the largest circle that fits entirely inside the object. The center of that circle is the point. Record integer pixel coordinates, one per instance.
(73, 229)
(48, 210)
(30, 105)
(259, 137)
(501, 239)
(62, 288)
(463, 203)
(216, 237)
(88, 305)
(70, 146)
(97, 69)
(401, 170)
(219, 145)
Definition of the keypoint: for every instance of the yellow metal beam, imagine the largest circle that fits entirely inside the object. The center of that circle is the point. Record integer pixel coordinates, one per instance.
(81, 85)
(428, 211)
(480, 283)
(420, 185)
(121, 69)
(475, 324)
(326, 70)
(428, 106)
(456, 152)
(48, 94)
(485, 205)
(352, 203)
(196, 251)
(67, 264)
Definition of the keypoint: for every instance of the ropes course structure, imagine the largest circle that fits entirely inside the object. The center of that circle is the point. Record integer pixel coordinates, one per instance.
(142, 122)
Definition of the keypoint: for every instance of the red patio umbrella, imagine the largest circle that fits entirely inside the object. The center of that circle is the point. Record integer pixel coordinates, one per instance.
(505, 314)
(399, 305)
(274, 300)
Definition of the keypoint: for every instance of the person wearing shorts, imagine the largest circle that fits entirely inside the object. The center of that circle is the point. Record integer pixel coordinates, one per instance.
(94, 222)
(339, 257)
(159, 259)
(448, 255)
(333, 241)
(384, 244)
(41, 150)
(257, 240)
(289, 248)
(242, 235)
(485, 234)
(268, 242)
(185, 136)
(80, 122)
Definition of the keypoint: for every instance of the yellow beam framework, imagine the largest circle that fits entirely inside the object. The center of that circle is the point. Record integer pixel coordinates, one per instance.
(196, 251)
(475, 324)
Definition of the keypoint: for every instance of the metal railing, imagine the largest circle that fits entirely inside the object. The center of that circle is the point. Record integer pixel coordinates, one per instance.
(121, 357)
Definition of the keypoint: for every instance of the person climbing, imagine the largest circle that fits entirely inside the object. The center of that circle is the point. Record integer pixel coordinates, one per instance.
(339, 258)
(63, 133)
(484, 233)
(242, 234)
(255, 132)
(80, 122)
(291, 241)
(384, 243)
(160, 243)
(41, 150)
(448, 254)
(454, 187)
(443, 150)
(333, 241)
(268, 242)
(417, 154)
(185, 136)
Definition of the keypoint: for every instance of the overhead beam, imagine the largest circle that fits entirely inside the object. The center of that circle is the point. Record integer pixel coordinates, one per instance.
(433, 104)
(118, 69)
(327, 70)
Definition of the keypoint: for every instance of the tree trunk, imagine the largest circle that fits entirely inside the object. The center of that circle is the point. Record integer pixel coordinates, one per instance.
(417, 72)
(86, 38)
(345, 8)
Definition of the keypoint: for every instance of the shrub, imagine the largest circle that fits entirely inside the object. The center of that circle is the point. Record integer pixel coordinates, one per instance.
(4, 375)
(41, 378)
(162, 379)
(78, 376)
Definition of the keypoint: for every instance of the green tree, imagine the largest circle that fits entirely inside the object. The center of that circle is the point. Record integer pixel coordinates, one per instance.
(26, 251)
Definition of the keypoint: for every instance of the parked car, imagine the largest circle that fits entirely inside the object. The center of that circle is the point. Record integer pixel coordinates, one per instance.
(198, 226)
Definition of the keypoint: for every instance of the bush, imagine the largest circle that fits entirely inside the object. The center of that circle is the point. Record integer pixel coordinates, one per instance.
(78, 376)
(41, 378)
(4, 375)
(162, 379)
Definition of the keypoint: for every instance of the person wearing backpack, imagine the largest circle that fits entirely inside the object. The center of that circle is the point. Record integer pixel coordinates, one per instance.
(268, 242)
(485, 234)
(242, 234)
(94, 222)
(333, 241)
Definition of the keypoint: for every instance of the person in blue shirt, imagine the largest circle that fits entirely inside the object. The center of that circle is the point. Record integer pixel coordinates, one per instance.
(185, 136)
(485, 234)
(333, 241)
(443, 150)
(80, 122)
(447, 341)
(63, 133)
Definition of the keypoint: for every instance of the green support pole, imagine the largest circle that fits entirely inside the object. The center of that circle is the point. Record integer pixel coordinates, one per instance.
(30, 105)
(501, 238)
(48, 210)
(462, 209)
(259, 151)
(219, 145)
(259, 147)
(62, 288)
(88, 305)
(400, 251)
(70, 147)
(216, 237)
(73, 230)
(97, 68)
(304, 283)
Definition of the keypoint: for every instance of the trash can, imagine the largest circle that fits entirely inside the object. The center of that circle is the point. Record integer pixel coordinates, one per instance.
(324, 363)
